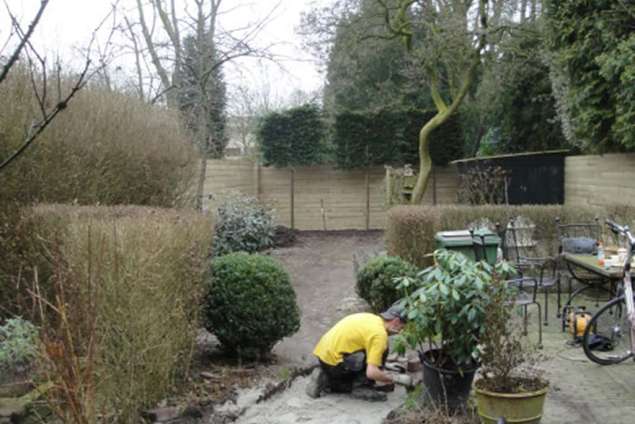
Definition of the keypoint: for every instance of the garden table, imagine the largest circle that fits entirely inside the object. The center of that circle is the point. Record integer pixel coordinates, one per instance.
(590, 263)
(607, 278)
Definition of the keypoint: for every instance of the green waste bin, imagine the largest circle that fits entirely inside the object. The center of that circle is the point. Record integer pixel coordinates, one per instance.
(461, 241)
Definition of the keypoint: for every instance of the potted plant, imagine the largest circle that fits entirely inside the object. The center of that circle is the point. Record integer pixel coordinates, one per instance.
(447, 307)
(510, 386)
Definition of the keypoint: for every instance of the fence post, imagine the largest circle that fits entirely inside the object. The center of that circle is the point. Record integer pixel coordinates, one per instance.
(434, 185)
(292, 199)
(367, 200)
(257, 180)
(388, 187)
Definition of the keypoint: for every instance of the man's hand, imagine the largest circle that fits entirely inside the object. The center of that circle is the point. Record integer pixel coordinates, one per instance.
(403, 379)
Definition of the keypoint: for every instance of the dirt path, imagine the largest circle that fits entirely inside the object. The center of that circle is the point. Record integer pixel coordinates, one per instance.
(321, 269)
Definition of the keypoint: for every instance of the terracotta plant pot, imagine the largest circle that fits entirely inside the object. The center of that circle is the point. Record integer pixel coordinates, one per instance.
(522, 408)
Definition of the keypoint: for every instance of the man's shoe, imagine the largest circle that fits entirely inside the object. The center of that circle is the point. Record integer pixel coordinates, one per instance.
(317, 383)
(365, 393)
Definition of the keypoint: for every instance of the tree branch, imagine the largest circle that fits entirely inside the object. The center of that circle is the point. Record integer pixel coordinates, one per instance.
(24, 39)
(39, 127)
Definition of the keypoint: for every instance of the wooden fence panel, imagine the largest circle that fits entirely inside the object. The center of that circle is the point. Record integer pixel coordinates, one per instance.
(599, 180)
(324, 198)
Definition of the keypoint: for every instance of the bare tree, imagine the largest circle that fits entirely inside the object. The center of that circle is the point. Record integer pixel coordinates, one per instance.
(215, 45)
(449, 55)
(38, 68)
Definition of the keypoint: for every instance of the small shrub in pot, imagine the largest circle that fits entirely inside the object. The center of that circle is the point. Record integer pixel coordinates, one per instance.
(510, 383)
(447, 306)
(249, 304)
(376, 280)
(243, 225)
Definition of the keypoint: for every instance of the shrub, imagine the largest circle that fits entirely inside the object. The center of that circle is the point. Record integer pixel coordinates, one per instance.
(294, 137)
(250, 304)
(126, 282)
(18, 344)
(106, 147)
(410, 230)
(447, 306)
(375, 281)
(360, 138)
(243, 225)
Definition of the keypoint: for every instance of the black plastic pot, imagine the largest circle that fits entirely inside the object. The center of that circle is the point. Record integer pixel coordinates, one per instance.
(449, 387)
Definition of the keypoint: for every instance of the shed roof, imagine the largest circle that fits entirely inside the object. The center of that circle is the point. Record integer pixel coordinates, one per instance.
(511, 155)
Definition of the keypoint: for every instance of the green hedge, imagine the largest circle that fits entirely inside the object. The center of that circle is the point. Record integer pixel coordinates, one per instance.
(410, 230)
(391, 137)
(294, 137)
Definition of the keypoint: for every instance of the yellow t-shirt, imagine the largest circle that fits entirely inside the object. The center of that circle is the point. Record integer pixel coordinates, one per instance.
(353, 333)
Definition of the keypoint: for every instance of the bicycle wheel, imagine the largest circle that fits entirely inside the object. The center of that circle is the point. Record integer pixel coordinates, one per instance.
(607, 337)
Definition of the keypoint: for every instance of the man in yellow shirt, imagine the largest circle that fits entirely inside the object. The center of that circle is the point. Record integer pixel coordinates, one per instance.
(354, 350)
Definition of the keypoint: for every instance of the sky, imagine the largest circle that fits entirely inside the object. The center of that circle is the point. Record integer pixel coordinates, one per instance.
(68, 25)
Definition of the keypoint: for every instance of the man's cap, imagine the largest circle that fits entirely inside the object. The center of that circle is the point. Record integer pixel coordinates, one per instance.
(397, 310)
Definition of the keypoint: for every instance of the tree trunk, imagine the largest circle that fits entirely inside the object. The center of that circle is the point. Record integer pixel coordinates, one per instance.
(201, 183)
(425, 161)
(444, 112)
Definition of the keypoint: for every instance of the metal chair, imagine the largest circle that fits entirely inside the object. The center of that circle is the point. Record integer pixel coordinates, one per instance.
(526, 290)
(585, 231)
(521, 250)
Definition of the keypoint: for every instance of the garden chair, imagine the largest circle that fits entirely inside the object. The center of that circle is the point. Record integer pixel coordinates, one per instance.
(526, 293)
(580, 238)
(521, 249)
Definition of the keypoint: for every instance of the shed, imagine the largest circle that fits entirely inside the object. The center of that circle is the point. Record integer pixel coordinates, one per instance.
(534, 178)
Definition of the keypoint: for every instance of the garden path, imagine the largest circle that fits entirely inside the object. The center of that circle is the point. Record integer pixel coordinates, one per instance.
(321, 269)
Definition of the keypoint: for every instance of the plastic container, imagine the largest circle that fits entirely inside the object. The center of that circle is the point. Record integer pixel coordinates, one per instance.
(461, 241)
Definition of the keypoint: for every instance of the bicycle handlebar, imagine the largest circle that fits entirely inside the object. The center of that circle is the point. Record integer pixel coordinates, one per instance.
(621, 229)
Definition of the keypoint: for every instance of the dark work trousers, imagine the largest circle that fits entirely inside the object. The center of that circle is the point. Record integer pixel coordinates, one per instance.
(348, 373)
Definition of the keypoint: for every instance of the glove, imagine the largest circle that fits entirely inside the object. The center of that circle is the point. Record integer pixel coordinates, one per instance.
(403, 379)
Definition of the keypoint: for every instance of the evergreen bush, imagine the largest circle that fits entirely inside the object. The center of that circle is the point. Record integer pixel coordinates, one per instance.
(391, 137)
(18, 344)
(376, 280)
(294, 137)
(249, 304)
(243, 225)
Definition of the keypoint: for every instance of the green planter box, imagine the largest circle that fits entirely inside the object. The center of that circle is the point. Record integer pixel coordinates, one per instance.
(461, 241)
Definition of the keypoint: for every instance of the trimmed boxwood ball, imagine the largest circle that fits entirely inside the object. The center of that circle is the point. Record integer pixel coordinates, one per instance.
(249, 304)
(375, 281)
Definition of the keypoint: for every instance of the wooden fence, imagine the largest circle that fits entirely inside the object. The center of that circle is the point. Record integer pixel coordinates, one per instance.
(320, 197)
(600, 180)
(323, 198)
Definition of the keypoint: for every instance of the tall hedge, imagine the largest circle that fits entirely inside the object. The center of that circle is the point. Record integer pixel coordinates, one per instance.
(294, 137)
(106, 147)
(130, 279)
(386, 137)
(592, 45)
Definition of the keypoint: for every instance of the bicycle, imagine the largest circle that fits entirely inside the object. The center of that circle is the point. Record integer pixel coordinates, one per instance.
(609, 337)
